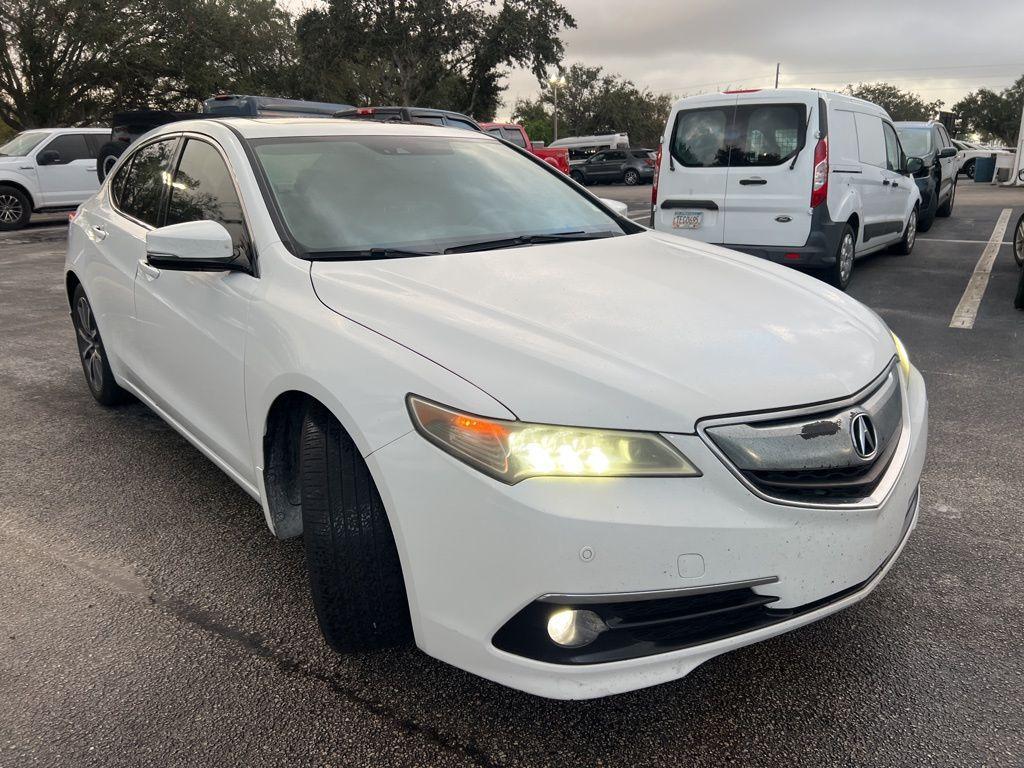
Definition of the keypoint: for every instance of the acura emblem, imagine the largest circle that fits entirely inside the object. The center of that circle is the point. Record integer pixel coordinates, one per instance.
(865, 441)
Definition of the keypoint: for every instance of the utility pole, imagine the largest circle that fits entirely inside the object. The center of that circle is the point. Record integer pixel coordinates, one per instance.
(555, 82)
(778, 64)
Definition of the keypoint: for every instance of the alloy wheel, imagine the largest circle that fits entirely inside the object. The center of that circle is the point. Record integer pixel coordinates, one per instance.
(846, 258)
(632, 177)
(1018, 242)
(912, 230)
(89, 347)
(11, 209)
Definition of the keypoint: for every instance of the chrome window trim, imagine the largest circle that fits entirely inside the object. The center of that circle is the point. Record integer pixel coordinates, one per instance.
(653, 594)
(885, 486)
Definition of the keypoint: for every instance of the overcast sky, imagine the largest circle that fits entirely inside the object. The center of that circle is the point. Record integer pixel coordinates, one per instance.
(938, 48)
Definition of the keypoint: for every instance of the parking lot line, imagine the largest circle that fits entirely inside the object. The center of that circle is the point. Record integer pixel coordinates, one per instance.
(967, 310)
(970, 242)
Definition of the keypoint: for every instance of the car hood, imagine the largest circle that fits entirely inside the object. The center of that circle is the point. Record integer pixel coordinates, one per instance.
(647, 331)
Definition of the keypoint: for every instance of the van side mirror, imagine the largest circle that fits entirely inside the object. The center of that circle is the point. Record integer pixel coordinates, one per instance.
(203, 246)
(914, 165)
(48, 157)
(947, 152)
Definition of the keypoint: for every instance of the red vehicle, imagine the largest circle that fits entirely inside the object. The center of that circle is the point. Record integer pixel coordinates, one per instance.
(513, 132)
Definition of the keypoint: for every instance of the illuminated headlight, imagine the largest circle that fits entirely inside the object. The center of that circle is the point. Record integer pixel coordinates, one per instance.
(511, 451)
(901, 353)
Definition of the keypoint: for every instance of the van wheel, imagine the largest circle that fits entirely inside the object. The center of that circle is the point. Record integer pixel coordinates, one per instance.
(631, 178)
(906, 245)
(839, 273)
(15, 209)
(354, 570)
(946, 209)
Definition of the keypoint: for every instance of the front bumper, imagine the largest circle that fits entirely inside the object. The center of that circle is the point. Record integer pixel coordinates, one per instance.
(476, 552)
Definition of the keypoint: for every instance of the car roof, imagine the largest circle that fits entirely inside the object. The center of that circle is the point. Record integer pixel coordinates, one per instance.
(272, 127)
(69, 130)
(915, 123)
(781, 95)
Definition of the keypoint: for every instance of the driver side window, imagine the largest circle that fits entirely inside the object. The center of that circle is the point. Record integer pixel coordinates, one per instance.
(893, 152)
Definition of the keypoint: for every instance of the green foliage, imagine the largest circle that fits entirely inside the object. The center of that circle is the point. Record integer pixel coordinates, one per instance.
(993, 116)
(535, 119)
(900, 104)
(449, 54)
(592, 102)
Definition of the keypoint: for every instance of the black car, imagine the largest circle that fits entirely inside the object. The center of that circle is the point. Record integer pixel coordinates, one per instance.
(630, 166)
(128, 126)
(937, 178)
(420, 115)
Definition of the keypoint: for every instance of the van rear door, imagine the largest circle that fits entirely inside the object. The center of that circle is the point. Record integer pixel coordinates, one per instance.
(770, 168)
(695, 170)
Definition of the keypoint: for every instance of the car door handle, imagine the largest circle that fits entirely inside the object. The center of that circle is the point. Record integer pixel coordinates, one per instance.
(26, 167)
(151, 272)
(99, 231)
(755, 180)
(895, 183)
(886, 183)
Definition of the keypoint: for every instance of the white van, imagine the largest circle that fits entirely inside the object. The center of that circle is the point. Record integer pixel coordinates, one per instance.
(581, 148)
(798, 176)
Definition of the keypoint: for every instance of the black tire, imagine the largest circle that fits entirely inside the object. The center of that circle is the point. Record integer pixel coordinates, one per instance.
(1018, 242)
(631, 177)
(906, 246)
(927, 217)
(107, 157)
(354, 571)
(15, 209)
(578, 177)
(92, 353)
(946, 209)
(969, 169)
(839, 274)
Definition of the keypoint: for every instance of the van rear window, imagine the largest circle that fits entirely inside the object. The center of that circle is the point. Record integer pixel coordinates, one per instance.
(746, 135)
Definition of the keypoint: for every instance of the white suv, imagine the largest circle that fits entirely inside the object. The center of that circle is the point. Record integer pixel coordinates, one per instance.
(801, 177)
(48, 169)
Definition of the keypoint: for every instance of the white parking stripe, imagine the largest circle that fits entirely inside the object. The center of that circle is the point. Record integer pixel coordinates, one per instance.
(967, 310)
(969, 242)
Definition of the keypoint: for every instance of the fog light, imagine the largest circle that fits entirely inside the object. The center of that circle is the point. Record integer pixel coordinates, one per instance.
(571, 628)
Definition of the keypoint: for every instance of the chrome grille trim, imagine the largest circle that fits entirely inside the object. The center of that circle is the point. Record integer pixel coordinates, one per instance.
(891, 407)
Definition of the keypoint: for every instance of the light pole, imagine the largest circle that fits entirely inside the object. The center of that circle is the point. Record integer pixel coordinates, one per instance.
(555, 82)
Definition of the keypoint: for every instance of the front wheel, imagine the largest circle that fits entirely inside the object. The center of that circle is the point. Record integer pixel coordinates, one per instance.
(354, 570)
(906, 245)
(969, 169)
(631, 178)
(107, 158)
(15, 209)
(946, 209)
(839, 273)
(1018, 242)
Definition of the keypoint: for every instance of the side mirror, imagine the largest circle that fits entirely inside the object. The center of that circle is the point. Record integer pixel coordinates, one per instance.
(914, 166)
(48, 157)
(947, 152)
(203, 246)
(618, 207)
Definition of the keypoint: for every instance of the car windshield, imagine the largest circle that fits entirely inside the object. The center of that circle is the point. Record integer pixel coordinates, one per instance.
(22, 143)
(422, 194)
(917, 142)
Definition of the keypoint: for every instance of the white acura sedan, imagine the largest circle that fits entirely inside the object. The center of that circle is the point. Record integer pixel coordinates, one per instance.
(547, 445)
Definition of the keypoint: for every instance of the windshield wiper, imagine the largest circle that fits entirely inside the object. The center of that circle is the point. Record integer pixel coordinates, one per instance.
(518, 240)
(367, 253)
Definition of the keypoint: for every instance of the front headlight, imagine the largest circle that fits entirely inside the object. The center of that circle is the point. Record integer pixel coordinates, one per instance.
(901, 353)
(511, 451)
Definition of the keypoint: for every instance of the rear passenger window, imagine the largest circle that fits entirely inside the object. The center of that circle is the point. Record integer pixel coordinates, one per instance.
(870, 141)
(70, 146)
(139, 185)
(95, 142)
(698, 140)
(204, 191)
(766, 134)
(454, 122)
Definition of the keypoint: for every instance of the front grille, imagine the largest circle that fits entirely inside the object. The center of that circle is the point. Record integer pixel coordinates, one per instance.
(811, 457)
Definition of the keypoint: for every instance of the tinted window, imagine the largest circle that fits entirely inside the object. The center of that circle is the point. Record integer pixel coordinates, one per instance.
(417, 192)
(514, 136)
(428, 119)
(615, 156)
(455, 122)
(495, 132)
(95, 141)
(71, 147)
(747, 135)
(944, 136)
(893, 154)
(139, 192)
(698, 140)
(203, 190)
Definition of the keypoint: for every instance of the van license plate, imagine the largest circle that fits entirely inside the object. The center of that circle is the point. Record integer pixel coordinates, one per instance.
(687, 220)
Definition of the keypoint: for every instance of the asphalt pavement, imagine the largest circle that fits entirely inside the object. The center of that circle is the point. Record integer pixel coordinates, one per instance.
(147, 617)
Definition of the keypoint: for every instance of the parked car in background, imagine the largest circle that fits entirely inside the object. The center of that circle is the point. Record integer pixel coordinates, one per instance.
(629, 166)
(419, 115)
(47, 169)
(968, 152)
(545, 444)
(582, 148)
(802, 177)
(128, 126)
(937, 178)
(516, 134)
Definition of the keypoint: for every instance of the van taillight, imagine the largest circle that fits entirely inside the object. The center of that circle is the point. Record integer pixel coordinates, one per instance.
(654, 184)
(819, 181)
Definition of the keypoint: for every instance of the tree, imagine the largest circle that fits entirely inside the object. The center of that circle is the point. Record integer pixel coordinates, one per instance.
(67, 62)
(900, 104)
(994, 116)
(439, 53)
(535, 119)
(592, 102)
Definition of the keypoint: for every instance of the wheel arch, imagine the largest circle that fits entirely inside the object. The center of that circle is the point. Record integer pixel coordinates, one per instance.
(5, 182)
(71, 282)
